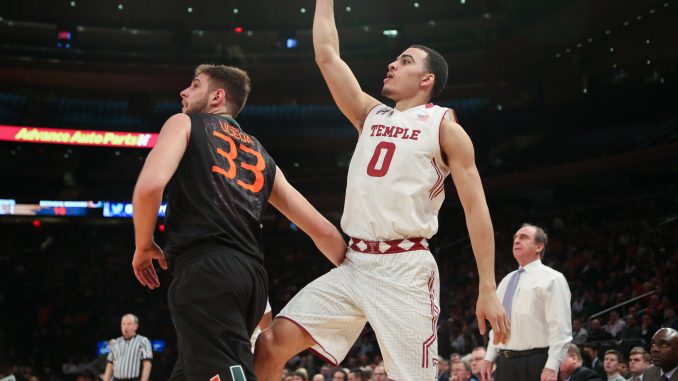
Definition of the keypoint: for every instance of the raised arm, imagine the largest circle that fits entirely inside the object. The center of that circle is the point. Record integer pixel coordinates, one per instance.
(158, 169)
(295, 207)
(461, 159)
(343, 85)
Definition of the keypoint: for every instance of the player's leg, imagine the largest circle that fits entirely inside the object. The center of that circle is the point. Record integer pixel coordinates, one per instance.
(322, 316)
(210, 302)
(277, 344)
(404, 315)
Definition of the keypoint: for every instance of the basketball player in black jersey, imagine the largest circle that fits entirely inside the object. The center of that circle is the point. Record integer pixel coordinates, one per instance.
(219, 180)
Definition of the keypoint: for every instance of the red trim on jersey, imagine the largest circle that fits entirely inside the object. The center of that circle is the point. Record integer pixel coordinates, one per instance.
(438, 183)
(429, 105)
(215, 378)
(435, 313)
(389, 247)
(335, 363)
(362, 125)
(454, 115)
(440, 128)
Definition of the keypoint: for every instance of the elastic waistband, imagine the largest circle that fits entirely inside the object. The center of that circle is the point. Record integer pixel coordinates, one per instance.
(388, 247)
(510, 354)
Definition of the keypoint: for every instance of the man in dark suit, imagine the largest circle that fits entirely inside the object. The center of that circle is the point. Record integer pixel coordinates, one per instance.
(664, 355)
(571, 368)
(596, 363)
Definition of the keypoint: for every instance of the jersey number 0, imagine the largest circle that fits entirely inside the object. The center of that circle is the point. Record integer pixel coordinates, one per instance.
(387, 149)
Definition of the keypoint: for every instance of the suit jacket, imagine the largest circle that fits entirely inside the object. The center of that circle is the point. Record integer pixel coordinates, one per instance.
(654, 373)
(585, 374)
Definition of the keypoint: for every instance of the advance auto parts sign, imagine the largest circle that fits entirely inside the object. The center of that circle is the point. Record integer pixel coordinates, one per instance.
(78, 137)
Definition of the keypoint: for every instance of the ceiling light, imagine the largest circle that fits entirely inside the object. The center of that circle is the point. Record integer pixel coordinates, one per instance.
(302, 10)
(189, 10)
(120, 7)
(72, 3)
(348, 8)
(416, 5)
(235, 11)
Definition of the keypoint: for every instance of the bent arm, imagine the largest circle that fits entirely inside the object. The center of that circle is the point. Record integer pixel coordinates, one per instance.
(297, 209)
(158, 169)
(345, 89)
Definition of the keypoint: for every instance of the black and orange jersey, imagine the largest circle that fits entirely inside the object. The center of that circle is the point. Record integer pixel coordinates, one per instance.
(218, 194)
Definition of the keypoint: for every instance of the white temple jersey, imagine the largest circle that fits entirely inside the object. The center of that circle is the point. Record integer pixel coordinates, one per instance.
(395, 183)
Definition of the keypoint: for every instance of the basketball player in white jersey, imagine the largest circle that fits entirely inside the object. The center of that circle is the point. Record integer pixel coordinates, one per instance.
(393, 194)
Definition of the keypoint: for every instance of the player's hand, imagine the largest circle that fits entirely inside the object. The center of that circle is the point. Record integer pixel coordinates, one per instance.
(486, 370)
(489, 307)
(143, 265)
(548, 375)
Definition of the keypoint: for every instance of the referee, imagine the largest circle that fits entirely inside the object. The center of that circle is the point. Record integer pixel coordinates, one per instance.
(130, 357)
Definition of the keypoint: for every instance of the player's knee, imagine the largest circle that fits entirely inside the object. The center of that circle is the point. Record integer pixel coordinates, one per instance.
(265, 345)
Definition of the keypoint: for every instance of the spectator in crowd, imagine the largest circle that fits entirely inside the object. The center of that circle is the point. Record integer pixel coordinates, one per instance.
(632, 330)
(299, 376)
(571, 368)
(339, 375)
(443, 370)
(318, 377)
(611, 363)
(461, 371)
(639, 361)
(670, 318)
(647, 328)
(592, 350)
(597, 333)
(664, 355)
(615, 324)
(477, 357)
(579, 333)
(379, 374)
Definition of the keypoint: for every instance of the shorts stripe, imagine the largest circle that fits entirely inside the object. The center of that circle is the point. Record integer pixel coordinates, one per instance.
(435, 313)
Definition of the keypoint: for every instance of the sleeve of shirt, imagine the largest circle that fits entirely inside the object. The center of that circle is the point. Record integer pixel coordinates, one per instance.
(146, 350)
(558, 317)
(109, 357)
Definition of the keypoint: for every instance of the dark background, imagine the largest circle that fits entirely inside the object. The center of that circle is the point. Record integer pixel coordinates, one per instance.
(571, 105)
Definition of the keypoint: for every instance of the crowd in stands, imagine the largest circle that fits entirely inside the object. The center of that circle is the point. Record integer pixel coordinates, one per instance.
(66, 284)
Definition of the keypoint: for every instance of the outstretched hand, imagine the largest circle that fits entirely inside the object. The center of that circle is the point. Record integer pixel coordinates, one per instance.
(143, 265)
(489, 307)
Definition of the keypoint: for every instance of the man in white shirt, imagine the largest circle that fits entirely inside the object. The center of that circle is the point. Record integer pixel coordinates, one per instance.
(537, 300)
(615, 324)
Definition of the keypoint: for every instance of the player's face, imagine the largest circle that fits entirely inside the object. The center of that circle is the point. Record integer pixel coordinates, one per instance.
(525, 248)
(406, 76)
(195, 97)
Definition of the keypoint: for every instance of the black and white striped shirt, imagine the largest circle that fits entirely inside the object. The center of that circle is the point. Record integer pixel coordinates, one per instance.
(127, 355)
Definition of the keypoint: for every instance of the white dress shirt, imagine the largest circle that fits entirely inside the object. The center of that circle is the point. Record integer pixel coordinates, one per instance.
(540, 316)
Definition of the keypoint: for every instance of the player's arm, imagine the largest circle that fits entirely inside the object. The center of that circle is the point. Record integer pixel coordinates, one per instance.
(343, 85)
(158, 169)
(297, 209)
(458, 147)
